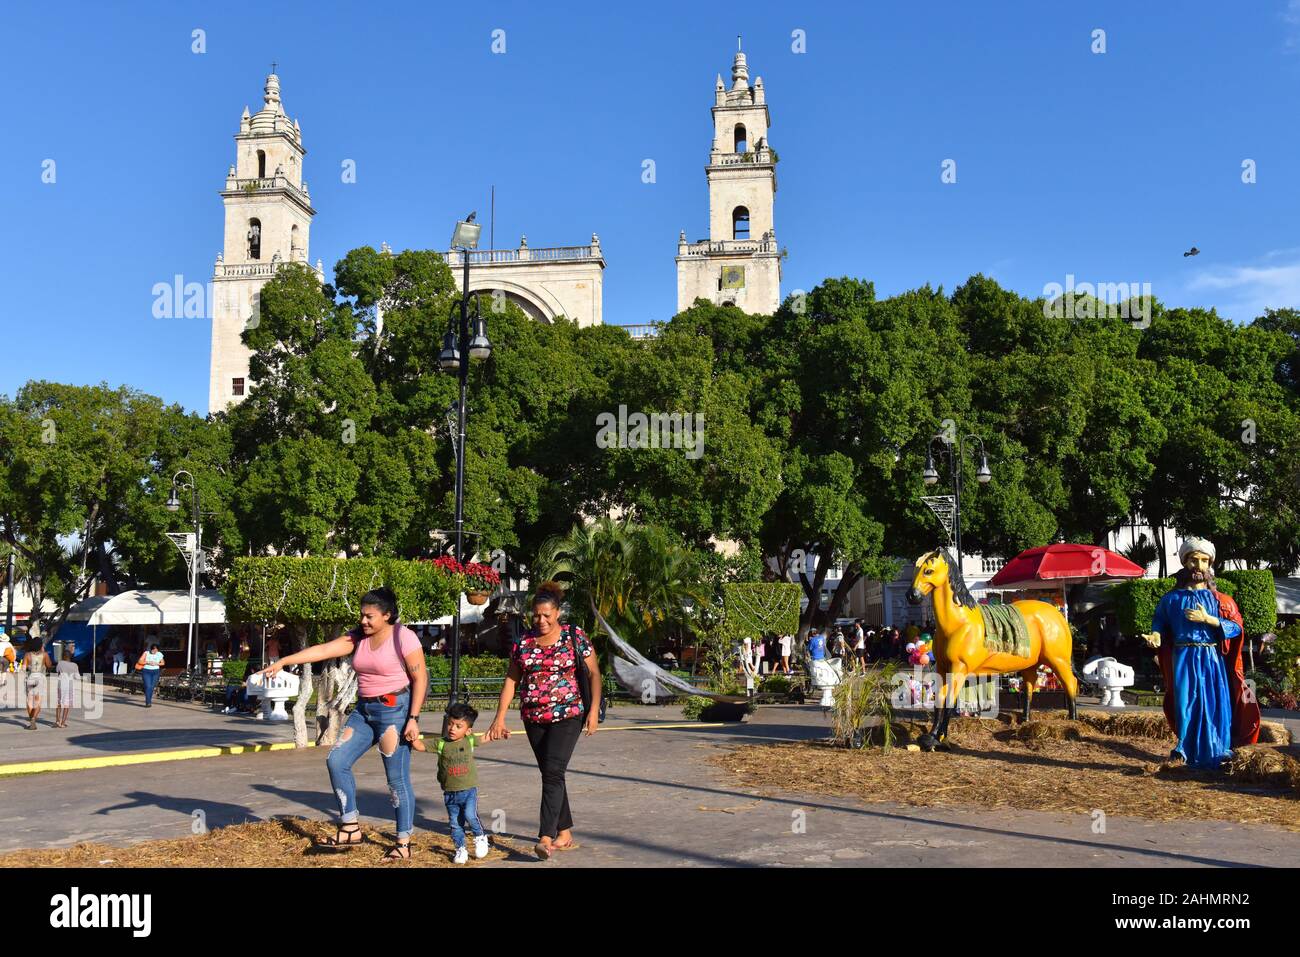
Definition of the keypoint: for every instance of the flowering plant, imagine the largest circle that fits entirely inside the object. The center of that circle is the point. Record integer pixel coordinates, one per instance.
(478, 577)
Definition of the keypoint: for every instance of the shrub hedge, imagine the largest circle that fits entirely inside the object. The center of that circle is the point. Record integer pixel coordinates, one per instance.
(1253, 590)
(329, 590)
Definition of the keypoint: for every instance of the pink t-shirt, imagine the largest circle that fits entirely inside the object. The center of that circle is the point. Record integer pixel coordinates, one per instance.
(380, 672)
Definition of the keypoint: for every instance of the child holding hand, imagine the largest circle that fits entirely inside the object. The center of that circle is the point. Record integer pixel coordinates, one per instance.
(459, 779)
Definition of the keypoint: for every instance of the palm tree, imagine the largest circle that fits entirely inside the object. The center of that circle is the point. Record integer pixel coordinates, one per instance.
(639, 576)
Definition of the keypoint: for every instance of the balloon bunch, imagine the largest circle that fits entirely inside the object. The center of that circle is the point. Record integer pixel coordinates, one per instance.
(920, 652)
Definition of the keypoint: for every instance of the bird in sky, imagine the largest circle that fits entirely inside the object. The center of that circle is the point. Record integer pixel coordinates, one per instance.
(1192, 252)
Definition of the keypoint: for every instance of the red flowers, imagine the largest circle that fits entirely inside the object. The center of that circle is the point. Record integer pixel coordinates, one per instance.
(478, 577)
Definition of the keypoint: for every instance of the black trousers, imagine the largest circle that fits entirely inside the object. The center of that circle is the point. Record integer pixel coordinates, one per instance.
(553, 746)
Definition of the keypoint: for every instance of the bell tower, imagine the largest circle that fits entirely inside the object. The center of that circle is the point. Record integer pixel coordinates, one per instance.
(740, 263)
(268, 218)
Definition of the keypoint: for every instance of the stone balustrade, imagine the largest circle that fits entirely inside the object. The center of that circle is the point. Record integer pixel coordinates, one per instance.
(727, 246)
(267, 182)
(763, 157)
(485, 257)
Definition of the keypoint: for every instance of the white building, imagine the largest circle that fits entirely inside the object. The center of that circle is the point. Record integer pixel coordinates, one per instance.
(740, 263)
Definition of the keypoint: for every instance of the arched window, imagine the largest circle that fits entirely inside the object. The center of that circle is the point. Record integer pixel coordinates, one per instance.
(740, 223)
(261, 164)
(295, 250)
(741, 143)
(254, 239)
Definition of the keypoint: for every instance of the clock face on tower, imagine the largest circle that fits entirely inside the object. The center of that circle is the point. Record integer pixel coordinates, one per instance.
(733, 277)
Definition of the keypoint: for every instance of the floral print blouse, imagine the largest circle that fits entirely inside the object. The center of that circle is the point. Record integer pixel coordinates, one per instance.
(549, 687)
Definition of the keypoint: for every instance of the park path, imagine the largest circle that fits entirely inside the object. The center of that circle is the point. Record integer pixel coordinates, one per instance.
(646, 797)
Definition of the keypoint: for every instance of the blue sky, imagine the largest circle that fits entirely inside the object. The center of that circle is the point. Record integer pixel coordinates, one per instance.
(1102, 166)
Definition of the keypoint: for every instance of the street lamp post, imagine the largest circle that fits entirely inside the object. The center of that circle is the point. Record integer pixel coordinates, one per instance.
(956, 458)
(196, 559)
(458, 347)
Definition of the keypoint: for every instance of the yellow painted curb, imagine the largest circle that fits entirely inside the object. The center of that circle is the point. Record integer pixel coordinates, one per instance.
(144, 757)
(216, 751)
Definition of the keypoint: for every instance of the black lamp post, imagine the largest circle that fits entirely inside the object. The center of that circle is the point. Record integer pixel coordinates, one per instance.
(956, 456)
(196, 560)
(458, 347)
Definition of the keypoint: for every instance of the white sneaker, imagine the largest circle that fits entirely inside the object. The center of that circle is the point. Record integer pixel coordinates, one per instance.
(481, 846)
(462, 856)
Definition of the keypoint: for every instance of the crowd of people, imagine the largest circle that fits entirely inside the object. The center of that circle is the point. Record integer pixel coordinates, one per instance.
(774, 654)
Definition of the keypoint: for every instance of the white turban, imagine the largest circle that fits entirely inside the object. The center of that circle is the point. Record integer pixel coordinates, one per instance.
(1189, 545)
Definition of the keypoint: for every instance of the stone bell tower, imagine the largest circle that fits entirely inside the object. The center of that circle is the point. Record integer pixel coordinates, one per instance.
(268, 217)
(740, 263)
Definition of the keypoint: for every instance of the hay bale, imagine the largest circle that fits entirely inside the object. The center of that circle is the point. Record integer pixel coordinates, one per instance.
(1046, 730)
(1258, 765)
(1129, 724)
(1273, 732)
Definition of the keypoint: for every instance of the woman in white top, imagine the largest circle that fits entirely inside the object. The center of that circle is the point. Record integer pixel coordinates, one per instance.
(150, 668)
(786, 641)
(67, 671)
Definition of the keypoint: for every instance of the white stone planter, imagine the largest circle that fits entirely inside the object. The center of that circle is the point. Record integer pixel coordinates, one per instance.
(274, 694)
(1110, 677)
(826, 675)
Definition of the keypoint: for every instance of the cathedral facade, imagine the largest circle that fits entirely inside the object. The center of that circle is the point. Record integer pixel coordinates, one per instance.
(268, 215)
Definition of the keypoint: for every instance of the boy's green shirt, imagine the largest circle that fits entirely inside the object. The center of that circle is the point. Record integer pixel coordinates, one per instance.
(456, 770)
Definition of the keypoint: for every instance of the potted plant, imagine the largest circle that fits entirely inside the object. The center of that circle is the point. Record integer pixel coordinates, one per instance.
(480, 582)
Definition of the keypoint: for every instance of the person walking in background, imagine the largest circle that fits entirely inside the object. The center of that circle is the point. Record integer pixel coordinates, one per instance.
(786, 642)
(37, 664)
(150, 668)
(816, 645)
(68, 673)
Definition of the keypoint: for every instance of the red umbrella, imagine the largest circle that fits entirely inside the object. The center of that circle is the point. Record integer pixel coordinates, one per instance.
(1063, 564)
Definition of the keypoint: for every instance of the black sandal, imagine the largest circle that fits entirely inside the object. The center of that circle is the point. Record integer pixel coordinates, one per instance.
(337, 843)
(400, 852)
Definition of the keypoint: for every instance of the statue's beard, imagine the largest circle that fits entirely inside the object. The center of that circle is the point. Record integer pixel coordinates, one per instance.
(1187, 577)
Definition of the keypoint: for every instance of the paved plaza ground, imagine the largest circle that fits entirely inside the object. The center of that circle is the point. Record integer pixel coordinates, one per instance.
(647, 797)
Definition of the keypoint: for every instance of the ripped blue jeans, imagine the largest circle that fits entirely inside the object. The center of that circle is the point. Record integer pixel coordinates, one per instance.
(365, 726)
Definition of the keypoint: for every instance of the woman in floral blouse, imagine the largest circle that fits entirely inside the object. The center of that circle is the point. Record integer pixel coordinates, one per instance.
(544, 665)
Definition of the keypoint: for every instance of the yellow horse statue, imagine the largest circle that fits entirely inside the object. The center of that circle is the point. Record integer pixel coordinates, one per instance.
(960, 645)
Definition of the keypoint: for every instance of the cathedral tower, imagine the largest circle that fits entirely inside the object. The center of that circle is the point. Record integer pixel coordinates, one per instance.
(740, 263)
(268, 217)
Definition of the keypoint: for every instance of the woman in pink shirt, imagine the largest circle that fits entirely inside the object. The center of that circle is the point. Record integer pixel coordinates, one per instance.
(391, 684)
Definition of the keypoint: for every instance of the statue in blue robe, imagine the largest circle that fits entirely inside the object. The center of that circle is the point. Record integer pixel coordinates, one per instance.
(1188, 617)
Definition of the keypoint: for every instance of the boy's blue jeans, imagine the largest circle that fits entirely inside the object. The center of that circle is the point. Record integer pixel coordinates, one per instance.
(462, 810)
(366, 725)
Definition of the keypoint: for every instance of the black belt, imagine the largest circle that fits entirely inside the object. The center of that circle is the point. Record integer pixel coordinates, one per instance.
(387, 693)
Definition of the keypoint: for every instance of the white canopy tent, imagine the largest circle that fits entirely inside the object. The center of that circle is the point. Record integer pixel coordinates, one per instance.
(1288, 595)
(469, 615)
(147, 607)
(153, 607)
